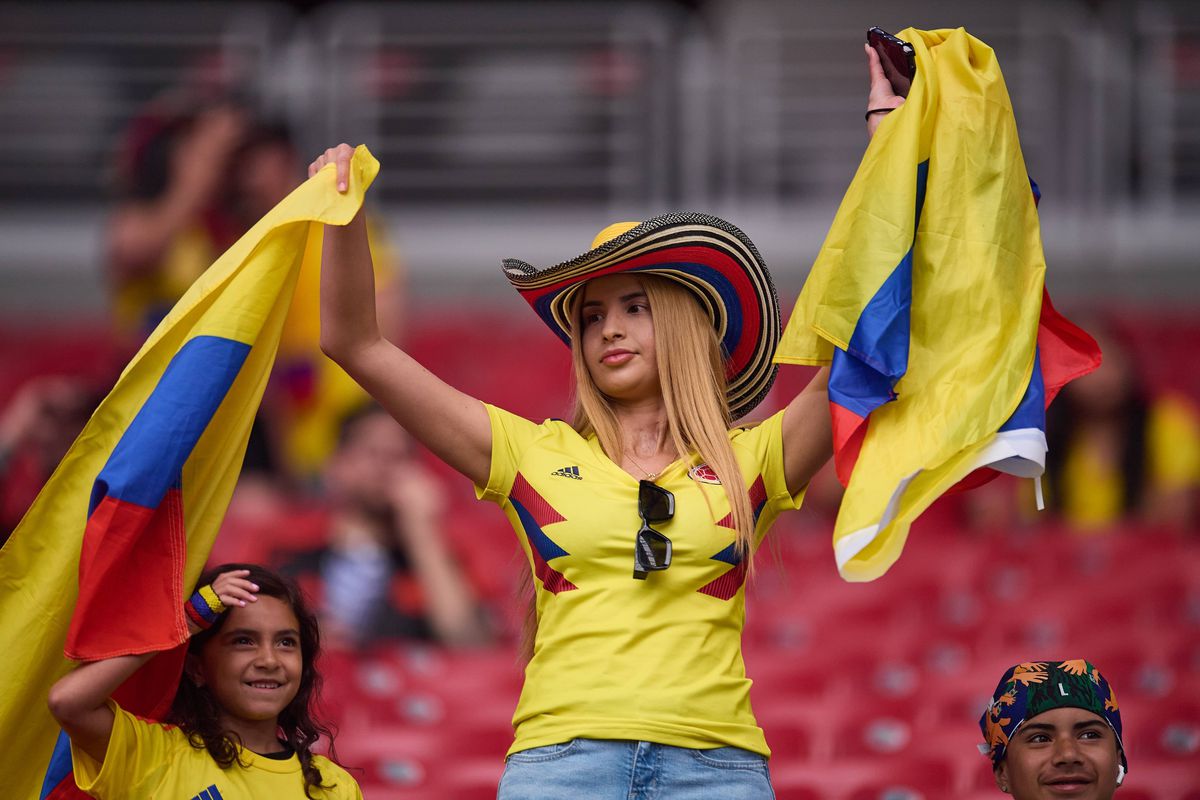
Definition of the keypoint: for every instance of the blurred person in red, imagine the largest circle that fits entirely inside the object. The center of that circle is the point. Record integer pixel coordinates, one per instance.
(1120, 450)
(192, 181)
(170, 222)
(37, 428)
(387, 569)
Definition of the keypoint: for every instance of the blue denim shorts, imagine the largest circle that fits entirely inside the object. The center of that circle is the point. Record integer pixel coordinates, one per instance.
(606, 769)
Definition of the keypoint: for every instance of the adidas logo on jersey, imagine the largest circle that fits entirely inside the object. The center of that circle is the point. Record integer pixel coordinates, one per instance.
(568, 472)
(210, 793)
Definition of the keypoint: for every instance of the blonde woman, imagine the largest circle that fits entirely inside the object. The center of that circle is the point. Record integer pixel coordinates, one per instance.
(640, 517)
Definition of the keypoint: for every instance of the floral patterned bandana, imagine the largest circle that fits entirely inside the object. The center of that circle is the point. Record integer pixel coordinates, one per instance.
(1028, 689)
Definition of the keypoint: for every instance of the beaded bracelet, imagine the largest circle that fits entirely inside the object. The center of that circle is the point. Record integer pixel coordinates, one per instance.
(877, 111)
(204, 607)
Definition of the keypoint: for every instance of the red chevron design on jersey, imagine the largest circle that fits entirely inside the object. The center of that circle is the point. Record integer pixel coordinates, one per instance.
(726, 586)
(758, 498)
(543, 513)
(552, 579)
(535, 512)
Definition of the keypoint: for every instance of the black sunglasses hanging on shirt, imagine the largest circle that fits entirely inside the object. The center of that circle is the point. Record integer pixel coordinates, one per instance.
(652, 550)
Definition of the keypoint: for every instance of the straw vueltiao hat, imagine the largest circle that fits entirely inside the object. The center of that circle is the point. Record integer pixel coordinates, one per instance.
(709, 256)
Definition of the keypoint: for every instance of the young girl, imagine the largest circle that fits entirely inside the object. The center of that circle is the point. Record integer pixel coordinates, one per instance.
(640, 517)
(241, 725)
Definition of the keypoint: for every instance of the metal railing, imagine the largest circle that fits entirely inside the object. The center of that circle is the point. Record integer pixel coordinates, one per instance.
(517, 120)
(73, 76)
(515, 104)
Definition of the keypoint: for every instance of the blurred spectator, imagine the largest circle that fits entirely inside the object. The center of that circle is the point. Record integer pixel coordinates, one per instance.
(1119, 452)
(37, 428)
(169, 223)
(191, 183)
(387, 569)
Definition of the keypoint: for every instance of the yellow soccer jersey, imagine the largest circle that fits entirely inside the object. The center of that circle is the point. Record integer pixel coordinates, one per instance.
(656, 660)
(151, 760)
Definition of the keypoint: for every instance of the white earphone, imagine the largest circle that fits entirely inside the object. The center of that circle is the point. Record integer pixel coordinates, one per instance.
(1120, 774)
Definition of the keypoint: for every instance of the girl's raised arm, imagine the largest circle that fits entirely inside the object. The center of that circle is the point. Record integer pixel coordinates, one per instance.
(79, 701)
(453, 425)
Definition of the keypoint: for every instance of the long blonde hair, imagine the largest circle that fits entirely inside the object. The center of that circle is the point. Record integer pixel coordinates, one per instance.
(691, 371)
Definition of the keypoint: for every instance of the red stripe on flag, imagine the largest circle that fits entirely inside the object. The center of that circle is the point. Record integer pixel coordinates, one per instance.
(849, 430)
(1066, 350)
(129, 553)
(151, 690)
(67, 790)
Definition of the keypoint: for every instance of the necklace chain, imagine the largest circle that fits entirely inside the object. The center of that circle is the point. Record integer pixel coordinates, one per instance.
(649, 475)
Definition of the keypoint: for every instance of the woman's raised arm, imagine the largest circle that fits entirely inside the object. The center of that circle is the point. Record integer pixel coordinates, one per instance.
(807, 430)
(453, 425)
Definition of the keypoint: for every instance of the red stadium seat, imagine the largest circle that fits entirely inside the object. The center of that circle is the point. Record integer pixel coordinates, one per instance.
(888, 790)
(780, 676)
(786, 791)
(1159, 780)
(1167, 731)
(411, 762)
(1130, 793)
(793, 741)
(899, 778)
(874, 734)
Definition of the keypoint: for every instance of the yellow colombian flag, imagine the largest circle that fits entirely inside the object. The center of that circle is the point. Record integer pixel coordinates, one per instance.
(99, 565)
(926, 300)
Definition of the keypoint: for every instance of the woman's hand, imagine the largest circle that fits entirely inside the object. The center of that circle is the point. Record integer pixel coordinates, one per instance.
(453, 425)
(340, 156)
(880, 93)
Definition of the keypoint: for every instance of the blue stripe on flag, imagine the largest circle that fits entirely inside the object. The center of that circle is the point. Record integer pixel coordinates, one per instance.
(60, 765)
(152, 451)
(1031, 412)
(862, 377)
(855, 386)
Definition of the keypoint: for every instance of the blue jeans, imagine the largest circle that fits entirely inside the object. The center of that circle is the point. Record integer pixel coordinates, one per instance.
(606, 769)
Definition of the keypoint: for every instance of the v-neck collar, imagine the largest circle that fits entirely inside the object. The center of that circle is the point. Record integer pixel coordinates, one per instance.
(607, 463)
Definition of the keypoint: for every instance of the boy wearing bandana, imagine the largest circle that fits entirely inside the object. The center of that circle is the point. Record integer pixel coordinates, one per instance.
(1053, 730)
